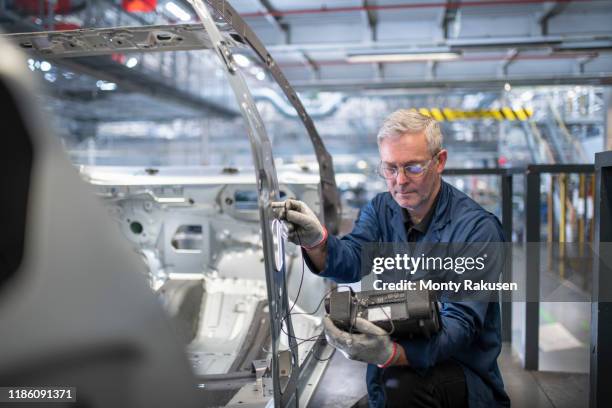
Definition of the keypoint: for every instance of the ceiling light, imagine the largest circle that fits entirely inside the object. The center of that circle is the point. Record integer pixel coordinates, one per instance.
(131, 63)
(403, 57)
(362, 164)
(106, 86)
(45, 66)
(260, 75)
(178, 11)
(503, 42)
(241, 60)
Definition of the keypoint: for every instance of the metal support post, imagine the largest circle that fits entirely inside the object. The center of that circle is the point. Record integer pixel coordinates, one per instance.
(506, 306)
(562, 223)
(532, 270)
(601, 307)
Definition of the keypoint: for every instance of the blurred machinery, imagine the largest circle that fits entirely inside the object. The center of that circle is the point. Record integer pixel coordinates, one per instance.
(74, 309)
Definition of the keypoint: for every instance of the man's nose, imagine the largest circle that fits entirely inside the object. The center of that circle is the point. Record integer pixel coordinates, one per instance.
(401, 177)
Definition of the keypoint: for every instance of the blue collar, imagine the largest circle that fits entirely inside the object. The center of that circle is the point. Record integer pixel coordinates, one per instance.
(439, 220)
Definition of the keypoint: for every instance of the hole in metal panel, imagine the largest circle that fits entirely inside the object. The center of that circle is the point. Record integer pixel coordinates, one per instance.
(136, 227)
(188, 238)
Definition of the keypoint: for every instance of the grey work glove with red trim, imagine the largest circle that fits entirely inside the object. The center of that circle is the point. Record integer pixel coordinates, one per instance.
(371, 345)
(303, 226)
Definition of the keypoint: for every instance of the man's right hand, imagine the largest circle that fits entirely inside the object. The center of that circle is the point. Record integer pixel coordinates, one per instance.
(303, 226)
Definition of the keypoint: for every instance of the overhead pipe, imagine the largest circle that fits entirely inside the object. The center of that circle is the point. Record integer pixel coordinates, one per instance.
(387, 7)
(329, 106)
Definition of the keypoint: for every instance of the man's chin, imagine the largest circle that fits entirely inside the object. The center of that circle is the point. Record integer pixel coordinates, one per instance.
(408, 203)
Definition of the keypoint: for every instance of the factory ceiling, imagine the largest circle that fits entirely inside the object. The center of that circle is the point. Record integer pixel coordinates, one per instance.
(422, 43)
(356, 44)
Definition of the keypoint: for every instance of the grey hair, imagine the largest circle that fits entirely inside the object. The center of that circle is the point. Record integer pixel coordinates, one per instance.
(411, 121)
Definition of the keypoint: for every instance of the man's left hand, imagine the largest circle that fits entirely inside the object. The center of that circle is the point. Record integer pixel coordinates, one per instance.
(371, 345)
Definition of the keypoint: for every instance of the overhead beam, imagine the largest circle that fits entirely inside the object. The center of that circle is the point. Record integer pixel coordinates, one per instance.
(440, 83)
(406, 6)
(524, 42)
(129, 80)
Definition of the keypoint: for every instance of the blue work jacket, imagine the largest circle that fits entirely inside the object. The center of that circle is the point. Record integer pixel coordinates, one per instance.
(471, 331)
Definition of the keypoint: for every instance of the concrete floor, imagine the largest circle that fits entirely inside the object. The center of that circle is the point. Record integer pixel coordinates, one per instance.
(344, 384)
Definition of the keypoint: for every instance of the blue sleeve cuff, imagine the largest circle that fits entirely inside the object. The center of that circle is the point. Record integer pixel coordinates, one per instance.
(331, 250)
(339, 266)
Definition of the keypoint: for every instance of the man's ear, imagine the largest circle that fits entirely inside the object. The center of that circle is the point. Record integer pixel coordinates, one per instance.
(441, 163)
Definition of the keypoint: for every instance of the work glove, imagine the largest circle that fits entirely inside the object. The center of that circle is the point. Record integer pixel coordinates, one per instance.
(303, 226)
(371, 345)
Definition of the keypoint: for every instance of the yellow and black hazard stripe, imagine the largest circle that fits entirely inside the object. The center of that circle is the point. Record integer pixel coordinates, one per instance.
(505, 113)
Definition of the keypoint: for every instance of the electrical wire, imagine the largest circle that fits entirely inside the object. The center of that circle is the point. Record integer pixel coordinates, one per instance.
(319, 337)
(313, 338)
(301, 278)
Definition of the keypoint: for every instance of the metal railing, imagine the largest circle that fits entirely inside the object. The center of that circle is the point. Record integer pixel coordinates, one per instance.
(506, 179)
(533, 205)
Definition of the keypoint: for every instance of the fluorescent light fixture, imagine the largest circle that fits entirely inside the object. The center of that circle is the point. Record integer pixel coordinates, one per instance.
(178, 11)
(402, 57)
(241, 60)
(106, 86)
(131, 62)
(503, 42)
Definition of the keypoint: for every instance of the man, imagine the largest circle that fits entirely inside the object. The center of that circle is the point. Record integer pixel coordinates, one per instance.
(458, 366)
